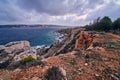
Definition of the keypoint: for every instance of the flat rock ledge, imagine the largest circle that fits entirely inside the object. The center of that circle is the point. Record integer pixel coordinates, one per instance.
(14, 52)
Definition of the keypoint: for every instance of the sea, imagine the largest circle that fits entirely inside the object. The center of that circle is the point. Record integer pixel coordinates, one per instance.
(37, 36)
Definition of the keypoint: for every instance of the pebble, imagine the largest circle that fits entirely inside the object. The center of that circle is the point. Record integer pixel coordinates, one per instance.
(86, 64)
(96, 75)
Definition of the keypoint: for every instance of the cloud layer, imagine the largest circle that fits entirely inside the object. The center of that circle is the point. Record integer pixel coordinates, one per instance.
(60, 12)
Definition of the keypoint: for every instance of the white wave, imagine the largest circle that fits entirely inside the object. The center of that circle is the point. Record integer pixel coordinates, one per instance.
(41, 46)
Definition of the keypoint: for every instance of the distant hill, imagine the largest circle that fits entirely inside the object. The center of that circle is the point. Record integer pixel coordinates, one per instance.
(24, 25)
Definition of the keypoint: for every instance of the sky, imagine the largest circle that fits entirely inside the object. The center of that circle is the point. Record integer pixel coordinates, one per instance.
(57, 12)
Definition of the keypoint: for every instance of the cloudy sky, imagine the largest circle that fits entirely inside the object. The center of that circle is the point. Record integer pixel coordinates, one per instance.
(60, 12)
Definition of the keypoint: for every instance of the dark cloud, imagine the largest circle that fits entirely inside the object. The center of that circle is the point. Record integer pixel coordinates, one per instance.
(54, 7)
(58, 7)
(66, 12)
(9, 12)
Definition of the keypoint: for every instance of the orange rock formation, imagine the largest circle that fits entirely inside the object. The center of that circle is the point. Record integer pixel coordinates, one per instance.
(84, 41)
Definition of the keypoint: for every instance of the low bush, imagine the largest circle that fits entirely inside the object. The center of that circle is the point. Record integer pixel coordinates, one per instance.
(111, 45)
(54, 74)
(34, 63)
(87, 56)
(28, 59)
(73, 61)
(97, 44)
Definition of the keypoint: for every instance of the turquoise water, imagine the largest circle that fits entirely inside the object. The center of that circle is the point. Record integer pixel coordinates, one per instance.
(36, 36)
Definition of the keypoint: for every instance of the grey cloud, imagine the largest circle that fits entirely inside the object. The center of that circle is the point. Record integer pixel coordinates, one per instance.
(44, 6)
(58, 7)
(7, 12)
(43, 11)
(111, 9)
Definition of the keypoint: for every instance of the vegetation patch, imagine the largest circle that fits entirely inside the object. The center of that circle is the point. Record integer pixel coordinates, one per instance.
(28, 59)
(54, 74)
(104, 24)
(106, 73)
(87, 56)
(73, 61)
(96, 56)
(94, 64)
(97, 44)
(79, 54)
(84, 70)
(111, 45)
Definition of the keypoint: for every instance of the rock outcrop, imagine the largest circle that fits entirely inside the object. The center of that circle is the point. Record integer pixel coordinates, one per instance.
(61, 47)
(14, 52)
(84, 41)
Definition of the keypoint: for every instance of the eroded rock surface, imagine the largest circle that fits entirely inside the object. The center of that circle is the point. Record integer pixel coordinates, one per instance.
(84, 41)
(15, 51)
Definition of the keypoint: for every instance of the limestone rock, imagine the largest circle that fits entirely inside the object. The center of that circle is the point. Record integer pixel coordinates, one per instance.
(2, 47)
(9, 50)
(18, 44)
(13, 52)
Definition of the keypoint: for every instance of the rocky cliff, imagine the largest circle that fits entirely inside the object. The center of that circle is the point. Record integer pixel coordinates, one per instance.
(61, 47)
(82, 55)
(14, 52)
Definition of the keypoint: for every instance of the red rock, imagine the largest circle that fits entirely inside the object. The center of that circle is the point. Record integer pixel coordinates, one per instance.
(84, 41)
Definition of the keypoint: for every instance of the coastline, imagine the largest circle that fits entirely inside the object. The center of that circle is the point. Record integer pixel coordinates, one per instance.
(63, 55)
(59, 37)
(36, 36)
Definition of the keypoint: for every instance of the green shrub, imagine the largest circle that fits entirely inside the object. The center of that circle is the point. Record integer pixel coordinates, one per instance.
(94, 64)
(28, 59)
(73, 61)
(112, 45)
(84, 70)
(54, 74)
(87, 60)
(87, 56)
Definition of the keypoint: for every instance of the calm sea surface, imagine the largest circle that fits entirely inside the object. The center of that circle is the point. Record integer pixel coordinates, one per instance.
(36, 36)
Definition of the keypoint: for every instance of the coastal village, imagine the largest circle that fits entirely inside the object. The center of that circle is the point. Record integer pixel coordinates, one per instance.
(81, 55)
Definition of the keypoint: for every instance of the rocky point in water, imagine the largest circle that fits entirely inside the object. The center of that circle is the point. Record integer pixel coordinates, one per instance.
(14, 52)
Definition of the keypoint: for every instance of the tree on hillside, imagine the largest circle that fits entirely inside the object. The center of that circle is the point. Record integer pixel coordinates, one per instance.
(105, 24)
(116, 24)
(94, 25)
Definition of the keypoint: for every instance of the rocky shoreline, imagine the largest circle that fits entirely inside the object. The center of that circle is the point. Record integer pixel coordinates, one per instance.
(62, 46)
(81, 55)
(12, 53)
